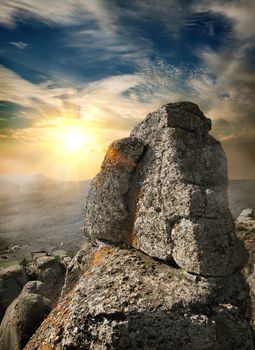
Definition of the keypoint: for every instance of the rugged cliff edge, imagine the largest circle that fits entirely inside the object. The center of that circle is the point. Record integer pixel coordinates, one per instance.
(161, 268)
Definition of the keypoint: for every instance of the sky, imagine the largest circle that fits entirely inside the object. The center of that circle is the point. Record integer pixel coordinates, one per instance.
(77, 74)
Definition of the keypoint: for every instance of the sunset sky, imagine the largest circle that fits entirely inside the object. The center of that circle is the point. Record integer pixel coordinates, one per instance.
(77, 74)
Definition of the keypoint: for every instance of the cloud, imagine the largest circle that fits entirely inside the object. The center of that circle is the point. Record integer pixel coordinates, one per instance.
(56, 12)
(240, 13)
(19, 44)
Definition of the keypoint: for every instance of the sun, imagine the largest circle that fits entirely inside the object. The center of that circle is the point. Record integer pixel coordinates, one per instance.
(74, 138)
(71, 149)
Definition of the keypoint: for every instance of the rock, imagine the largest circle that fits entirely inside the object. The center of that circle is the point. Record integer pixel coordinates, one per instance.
(23, 316)
(12, 280)
(34, 303)
(36, 255)
(160, 268)
(245, 231)
(164, 192)
(246, 215)
(60, 253)
(108, 191)
(126, 300)
(51, 271)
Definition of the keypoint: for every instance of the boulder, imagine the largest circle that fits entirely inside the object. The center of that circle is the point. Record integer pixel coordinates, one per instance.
(107, 196)
(163, 191)
(246, 215)
(12, 280)
(23, 316)
(51, 271)
(245, 231)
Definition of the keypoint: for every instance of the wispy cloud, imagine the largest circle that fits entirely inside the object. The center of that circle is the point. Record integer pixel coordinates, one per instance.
(19, 44)
(240, 13)
(57, 12)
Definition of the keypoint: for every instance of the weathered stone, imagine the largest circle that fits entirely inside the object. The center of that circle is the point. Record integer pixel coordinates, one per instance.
(180, 176)
(23, 316)
(12, 280)
(125, 300)
(106, 198)
(246, 214)
(245, 231)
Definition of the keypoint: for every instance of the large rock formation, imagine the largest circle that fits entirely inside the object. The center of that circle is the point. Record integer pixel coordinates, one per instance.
(164, 191)
(161, 268)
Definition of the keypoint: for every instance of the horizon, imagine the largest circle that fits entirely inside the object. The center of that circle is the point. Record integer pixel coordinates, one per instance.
(77, 75)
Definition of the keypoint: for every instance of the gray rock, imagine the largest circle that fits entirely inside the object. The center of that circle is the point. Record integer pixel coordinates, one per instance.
(126, 300)
(245, 231)
(108, 191)
(51, 271)
(12, 280)
(172, 202)
(23, 316)
(246, 214)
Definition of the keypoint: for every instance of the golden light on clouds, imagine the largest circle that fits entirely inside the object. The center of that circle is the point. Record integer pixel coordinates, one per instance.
(60, 147)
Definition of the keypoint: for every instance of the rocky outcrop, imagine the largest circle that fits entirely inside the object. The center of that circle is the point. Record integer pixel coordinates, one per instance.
(161, 268)
(126, 300)
(12, 280)
(164, 191)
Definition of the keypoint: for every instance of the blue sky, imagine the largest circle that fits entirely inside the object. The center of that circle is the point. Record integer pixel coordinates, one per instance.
(110, 62)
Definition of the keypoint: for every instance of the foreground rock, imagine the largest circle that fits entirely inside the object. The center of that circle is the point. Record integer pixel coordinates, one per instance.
(35, 301)
(126, 300)
(12, 280)
(161, 192)
(23, 316)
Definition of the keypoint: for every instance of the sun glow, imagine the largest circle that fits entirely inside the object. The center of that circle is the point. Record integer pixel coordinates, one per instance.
(74, 139)
(73, 149)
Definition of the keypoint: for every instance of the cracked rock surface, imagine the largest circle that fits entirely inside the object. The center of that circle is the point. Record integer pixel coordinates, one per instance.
(163, 190)
(126, 300)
